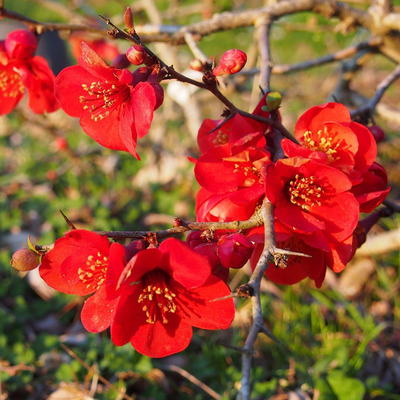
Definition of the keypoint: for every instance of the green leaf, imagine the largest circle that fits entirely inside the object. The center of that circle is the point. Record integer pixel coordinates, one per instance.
(346, 388)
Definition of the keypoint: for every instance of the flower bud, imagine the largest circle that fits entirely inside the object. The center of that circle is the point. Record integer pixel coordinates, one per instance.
(137, 55)
(134, 247)
(121, 61)
(377, 132)
(20, 44)
(273, 101)
(234, 250)
(196, 65)
(232, 61)
(25, 260)
(128, 19)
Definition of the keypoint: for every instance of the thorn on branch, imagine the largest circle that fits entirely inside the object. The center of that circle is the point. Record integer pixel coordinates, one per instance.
(69, 223)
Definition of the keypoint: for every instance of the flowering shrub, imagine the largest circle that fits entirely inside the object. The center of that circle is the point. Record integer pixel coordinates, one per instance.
(288, 204)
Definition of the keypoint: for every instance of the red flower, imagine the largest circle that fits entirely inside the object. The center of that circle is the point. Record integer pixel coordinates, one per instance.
(115, 107)
(312, 199)
(105, 49)
(223, 206)
(326, 133)
(171, 290)
(373, 188)
(19, 70)
(239, 132)
(77, 264)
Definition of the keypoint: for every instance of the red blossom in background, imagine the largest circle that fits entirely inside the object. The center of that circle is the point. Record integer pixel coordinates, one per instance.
(171, 291)
(115, 107)
(20, 70)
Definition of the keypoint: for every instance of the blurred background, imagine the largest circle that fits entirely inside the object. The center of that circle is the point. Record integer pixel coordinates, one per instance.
(344, 339)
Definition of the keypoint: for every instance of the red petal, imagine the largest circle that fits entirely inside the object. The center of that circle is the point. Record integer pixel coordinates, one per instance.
(189, 268)
(161, 340)
(198, 308)
(98, 311)
(12, 89)
(38, 79)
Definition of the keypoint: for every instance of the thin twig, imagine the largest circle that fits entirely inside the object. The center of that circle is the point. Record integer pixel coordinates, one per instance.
(93, 371)
(263, 26)
(191, 378)
(195, 49)
(382, 87)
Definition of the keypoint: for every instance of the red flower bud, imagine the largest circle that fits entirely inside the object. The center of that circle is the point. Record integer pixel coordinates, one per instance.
(121, 61)
(128, 19)
(137, 55)
(232, 61)
(133, 248)
(20, 44)
(25, 260)
(234, 250)
(377, 132)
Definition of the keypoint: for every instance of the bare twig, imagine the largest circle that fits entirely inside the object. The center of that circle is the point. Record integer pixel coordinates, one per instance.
(191, 378)
(93, 371)
(368, 108)
(263, 27)
(195, 49)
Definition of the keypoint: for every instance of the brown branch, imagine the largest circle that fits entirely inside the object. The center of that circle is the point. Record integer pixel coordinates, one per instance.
(336, 56)
(263, 27)
(254, 221)
(369, 107)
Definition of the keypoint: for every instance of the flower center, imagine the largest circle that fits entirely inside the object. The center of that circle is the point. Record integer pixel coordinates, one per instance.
(94, 272)
(304, 192)
(250, 172)
(11, 84)
(101, 98)
(221, 138)
(156, 298)
(322, 142)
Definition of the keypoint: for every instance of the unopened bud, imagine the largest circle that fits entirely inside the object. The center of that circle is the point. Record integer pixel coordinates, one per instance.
(137, 55)
(25, 260)
(128, 19)
(20, 44)
(377, 132)
(273, 100)
(121, 61)
(232, 61)
(196, 65)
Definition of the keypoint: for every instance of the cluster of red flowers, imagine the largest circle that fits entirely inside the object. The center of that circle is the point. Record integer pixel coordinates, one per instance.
(149, 296)
(318, 190)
